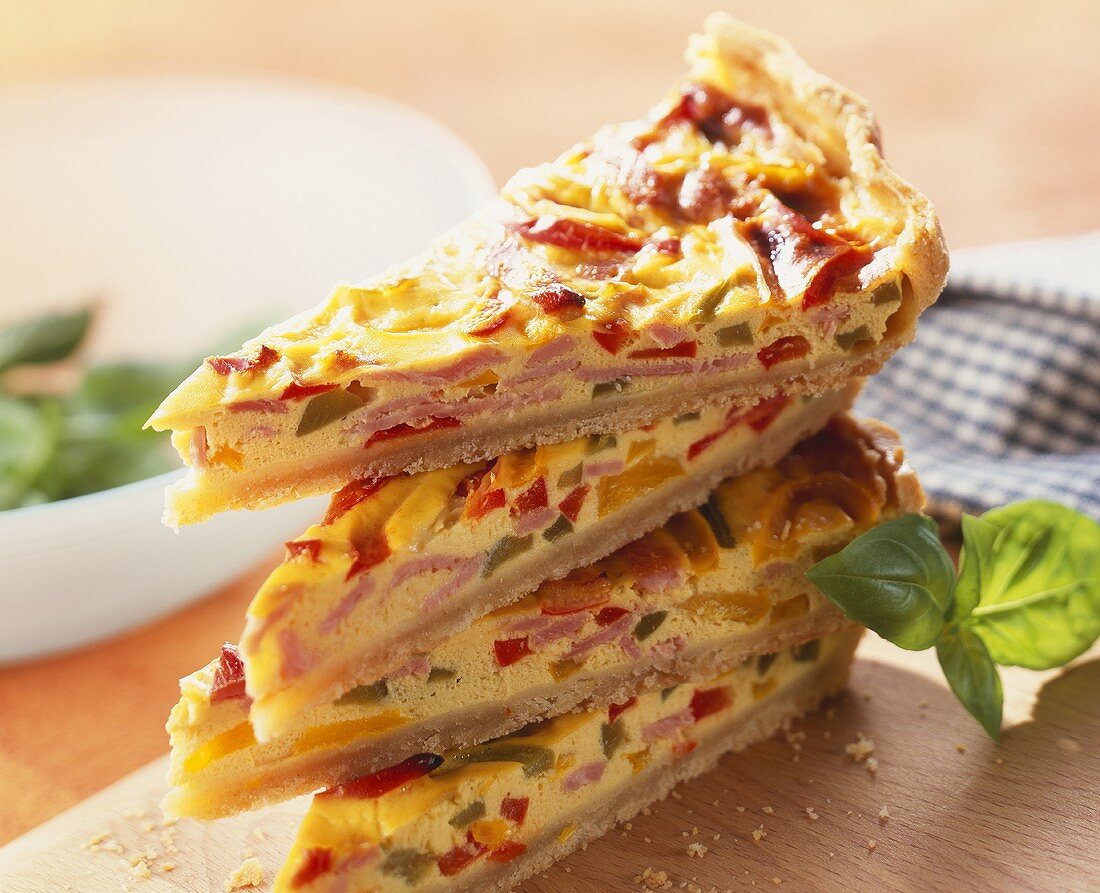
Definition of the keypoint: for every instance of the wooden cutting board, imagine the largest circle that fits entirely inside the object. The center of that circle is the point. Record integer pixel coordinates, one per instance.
(961, 813)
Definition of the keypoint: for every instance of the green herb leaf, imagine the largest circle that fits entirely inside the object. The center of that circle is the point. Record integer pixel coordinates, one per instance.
(28, 440)
(897, 579)
(45, 339)
(972, 675)
(1036, 566)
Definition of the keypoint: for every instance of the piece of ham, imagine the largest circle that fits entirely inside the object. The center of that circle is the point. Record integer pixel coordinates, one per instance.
(585, 775)
(459, 578)
(608, 634)
(363, 588)
(668, 726)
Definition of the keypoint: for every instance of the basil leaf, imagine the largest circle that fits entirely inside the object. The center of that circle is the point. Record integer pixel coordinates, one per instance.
(28, 439)
(44, 339)
(972, 675)
(896, 579)
(1039, 601)
(975, 569)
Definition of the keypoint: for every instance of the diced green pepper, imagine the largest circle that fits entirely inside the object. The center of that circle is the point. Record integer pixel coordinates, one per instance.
(468, 814)
(704, 311)
(807, 651)
(505, 549)
(407, 863)
(665, 692)
(649, 624)
(597, 443)
(571, 477)
(739, 335)
(534, 758)
(324, 409)
(717, 521)
(612, 736)
(686, 417)
(887, 293)
(363, 695)
(848, 340)
(558, 529)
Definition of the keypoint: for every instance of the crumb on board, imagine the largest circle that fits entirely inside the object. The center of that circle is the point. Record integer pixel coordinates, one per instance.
(872, 765)
(860, 749)
(812, 813)
(767, 810)
(250, 873)
(696, 850)
(884, 814)
(961, 748)
(871, 845)
(653, 880)
(759, 834)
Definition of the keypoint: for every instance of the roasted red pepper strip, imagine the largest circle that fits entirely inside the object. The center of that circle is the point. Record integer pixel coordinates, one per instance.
(783, 350)
(385, 780)
(612, 335)
(316, 861)
(457, 859)
(683, 349)
(764, 413)
(534, 497)
(264, 357)
(576, 235)
(508, 851)
(573, 503)
(350, 495)
(228, 679)
(615, 710)
(373, 550)
(403, 430)
(295, 390)
(559, 299)
(508, 651)
(609, 615)
(704, 702)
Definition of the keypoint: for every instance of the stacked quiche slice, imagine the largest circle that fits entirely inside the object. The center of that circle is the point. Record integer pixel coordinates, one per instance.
(581, 454)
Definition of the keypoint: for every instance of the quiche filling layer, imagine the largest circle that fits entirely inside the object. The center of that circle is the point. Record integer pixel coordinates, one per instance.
(710, 585)
(720, 239)
(451, 817)
(394, 552)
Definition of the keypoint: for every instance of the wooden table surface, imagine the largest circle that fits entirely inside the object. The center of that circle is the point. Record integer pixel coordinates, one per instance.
(989, 107)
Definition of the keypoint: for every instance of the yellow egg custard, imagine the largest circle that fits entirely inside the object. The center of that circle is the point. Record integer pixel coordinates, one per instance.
(400, 563)
(745, 237)
(484, 818)
(700, 594)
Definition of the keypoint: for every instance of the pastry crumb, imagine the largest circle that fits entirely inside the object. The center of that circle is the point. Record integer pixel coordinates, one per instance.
(961, 748)
(653, 880)
(250, 873)
(696, 850)
(871, 845)
(759, 834)
(860, 749)
(812, 813)
(872, 765)
(884, 814)
(767, 810)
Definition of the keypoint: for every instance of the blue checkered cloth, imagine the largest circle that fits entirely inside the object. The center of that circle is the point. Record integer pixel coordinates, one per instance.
(998, 399)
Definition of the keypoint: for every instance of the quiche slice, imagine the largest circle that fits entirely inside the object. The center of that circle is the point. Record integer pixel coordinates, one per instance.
(400, 563)
(486, 817)
(744, 238)
(701, 594)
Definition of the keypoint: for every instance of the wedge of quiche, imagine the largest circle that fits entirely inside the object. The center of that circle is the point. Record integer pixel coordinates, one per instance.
(745, 238)
(400, 563)
(484, 818)
(701, 594)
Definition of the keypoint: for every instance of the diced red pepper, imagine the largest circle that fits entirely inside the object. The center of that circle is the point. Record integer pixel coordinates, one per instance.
(404, 429)
(706, 701)
(667, 246)
(508, 851)
(733, 416)
(457, 859)
(372, 550)
(683, 748)
(612, 335)
(615, 710)
(228, 679)
(783, 350)
(514, 809)
(609, 615)
(508, 651)
(385, 780)
(316, 861)
(764, 413)
(559, 299)
(534, 497)
(481, 502)
(265, 357)
(296, 389)
(309, 548)
(576, 235)
(573, 503)
(683, 349)
(350, 495)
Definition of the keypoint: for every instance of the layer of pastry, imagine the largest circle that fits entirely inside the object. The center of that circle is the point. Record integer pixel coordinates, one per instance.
(702, 593)
(484, 818)
(745, 237)
(402, 563)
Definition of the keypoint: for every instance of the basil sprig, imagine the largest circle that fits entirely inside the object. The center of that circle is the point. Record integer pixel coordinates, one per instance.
(1027, 593)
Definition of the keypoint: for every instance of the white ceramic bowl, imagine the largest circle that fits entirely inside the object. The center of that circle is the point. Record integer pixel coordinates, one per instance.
(191, 207)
